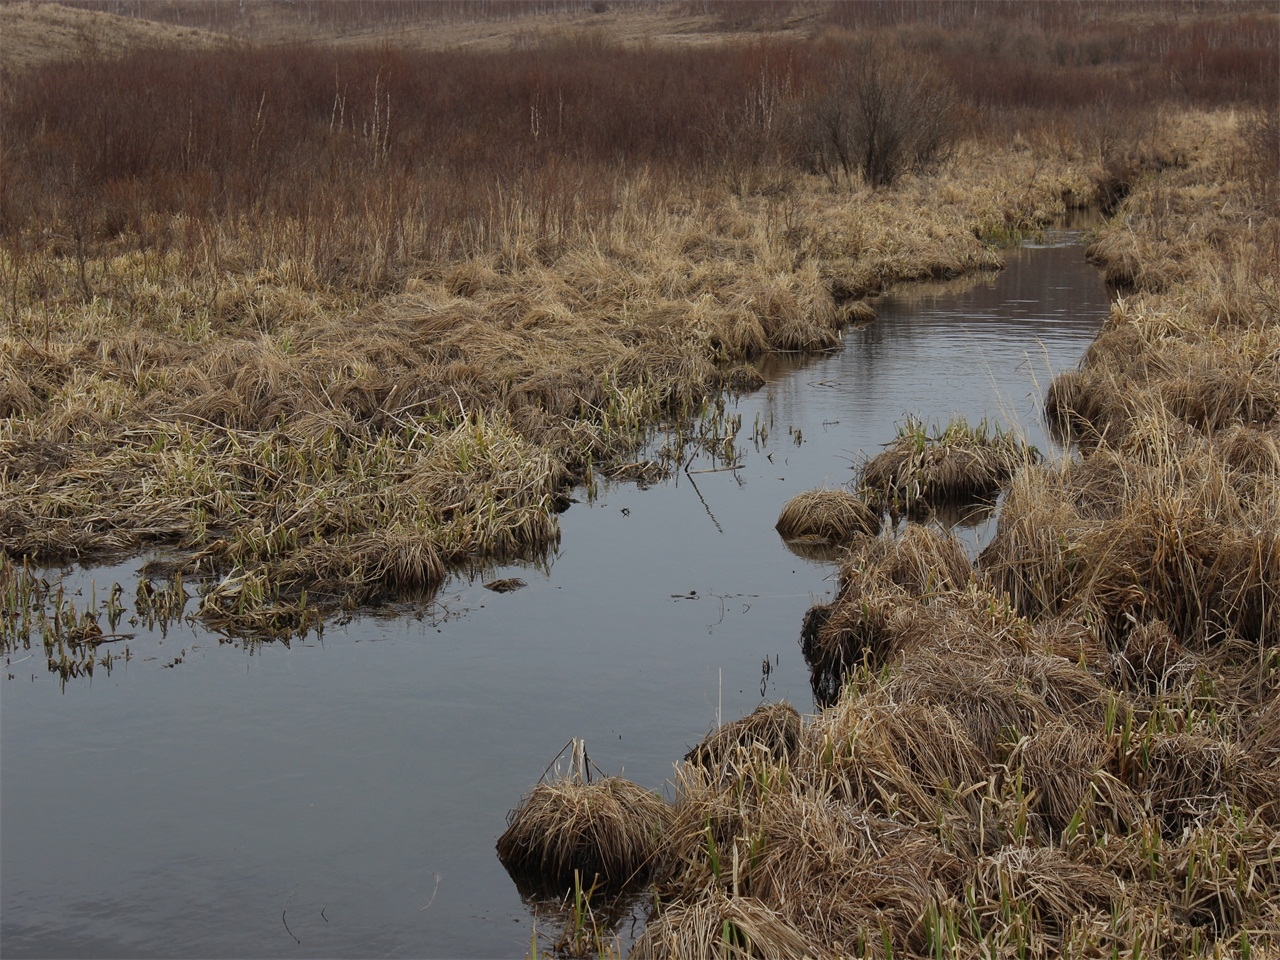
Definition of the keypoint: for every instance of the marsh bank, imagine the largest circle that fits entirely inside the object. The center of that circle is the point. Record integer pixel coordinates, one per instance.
(346, 790)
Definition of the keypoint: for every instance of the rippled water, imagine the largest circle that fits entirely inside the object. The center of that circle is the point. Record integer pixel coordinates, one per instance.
(341, 797)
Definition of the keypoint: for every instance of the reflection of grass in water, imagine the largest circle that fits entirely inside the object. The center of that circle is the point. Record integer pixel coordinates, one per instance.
(66, 629)
(922, 291)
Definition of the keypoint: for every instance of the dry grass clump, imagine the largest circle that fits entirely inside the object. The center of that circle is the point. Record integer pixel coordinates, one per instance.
(1186, 777)
(878, 577)
(780, 836)
(918, 559)
(1066, 770)
(826, 517)
(922, 469)
(606, 833)
(997, 693)
(722, 927)
(1128, 267)
(1152, 660)
(904, 759)
(773, 728)
(864, 877)
(1049, 891)
(889, 831)
(1117, 541)
(1251, 450)
(838, 638)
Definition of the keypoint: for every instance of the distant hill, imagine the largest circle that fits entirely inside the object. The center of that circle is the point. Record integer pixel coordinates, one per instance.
(38, 32)
(32, 33)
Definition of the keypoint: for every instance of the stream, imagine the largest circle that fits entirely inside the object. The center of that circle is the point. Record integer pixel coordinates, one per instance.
(341, 796)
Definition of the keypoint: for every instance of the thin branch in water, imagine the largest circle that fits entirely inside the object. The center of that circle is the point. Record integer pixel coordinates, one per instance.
(694, 483)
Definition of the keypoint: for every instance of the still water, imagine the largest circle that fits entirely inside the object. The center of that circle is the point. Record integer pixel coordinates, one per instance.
(342, 796)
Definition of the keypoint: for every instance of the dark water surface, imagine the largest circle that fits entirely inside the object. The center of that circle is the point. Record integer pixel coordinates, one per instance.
(346, 792)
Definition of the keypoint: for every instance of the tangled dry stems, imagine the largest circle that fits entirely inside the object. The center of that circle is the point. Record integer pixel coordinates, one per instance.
(772, 727)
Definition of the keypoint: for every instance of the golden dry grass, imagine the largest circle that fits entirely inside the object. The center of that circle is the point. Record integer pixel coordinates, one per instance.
(719, 926)
(866, 621)
(1069, 748)
(826, 517)
(922, 469)
(606, 833)
(302, 439)
(773, 728)
(1071, 753)
(979, 795)
(1120, 540)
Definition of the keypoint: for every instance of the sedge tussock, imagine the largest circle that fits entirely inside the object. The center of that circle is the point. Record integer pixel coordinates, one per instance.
(1227, 875)
(1122, 541)
(892, 756)
(919, 560)
(879, 580)
(1249, 450)
(998, 695)
(826, 517)
(606, 832)
(771, 727)
(720, 926)
(838, 637)
(922, 468)
(1046, 887)
(844, 876)
(1067, 775)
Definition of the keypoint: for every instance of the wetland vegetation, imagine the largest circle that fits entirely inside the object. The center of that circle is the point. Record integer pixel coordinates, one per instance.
(327, 321)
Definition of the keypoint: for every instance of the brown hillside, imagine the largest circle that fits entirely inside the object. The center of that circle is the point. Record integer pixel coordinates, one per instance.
(33, 33)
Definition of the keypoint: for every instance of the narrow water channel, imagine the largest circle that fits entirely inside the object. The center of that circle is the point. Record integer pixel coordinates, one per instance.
(341, 797)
